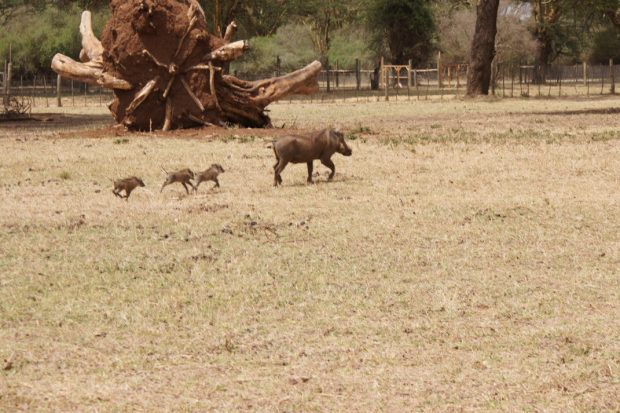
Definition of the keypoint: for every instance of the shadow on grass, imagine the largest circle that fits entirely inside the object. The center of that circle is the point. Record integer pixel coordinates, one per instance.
(318, 180)
(601, 111)
(56, 121)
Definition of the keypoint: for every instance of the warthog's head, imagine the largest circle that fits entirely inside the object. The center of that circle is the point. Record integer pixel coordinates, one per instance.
(218, 167)
(338, 136)
(140, 182)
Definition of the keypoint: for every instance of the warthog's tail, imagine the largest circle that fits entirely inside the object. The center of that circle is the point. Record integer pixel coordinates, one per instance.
(162, 168)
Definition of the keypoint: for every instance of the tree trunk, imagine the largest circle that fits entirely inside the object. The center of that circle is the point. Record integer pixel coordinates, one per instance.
(166, 69)
(543, 55)
(546, 15)
(483, 48)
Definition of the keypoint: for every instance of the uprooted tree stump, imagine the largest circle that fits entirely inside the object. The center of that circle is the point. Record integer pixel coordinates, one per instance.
(167, 70)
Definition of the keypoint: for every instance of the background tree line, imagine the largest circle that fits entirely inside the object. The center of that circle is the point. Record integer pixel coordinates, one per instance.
(530, 31)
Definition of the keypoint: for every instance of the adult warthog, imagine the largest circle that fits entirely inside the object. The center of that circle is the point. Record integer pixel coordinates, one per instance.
(305, 149)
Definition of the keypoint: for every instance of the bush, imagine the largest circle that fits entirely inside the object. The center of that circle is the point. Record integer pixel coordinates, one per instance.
(291, 43)
(606, 45)
(348, 44)
(36, 38)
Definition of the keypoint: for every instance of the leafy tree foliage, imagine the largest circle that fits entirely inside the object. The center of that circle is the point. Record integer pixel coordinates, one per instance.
(404, 28)
(36, 37)
(605, 46)
(343, 30)
(322, 18)
(566, 28)
(291, 44)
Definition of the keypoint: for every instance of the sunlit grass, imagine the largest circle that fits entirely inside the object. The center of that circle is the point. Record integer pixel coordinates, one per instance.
(465, 257)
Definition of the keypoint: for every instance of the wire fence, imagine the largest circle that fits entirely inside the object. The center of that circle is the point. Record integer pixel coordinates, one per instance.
(356, 84)
(44, 90)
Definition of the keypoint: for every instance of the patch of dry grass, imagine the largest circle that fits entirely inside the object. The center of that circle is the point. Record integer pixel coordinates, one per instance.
(477, 272)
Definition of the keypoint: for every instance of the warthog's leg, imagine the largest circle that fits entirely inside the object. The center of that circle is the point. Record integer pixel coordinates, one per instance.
(197, 185)
(279, 168)
(185, 186)
(127, 193)
(328, 162)
(163, 186)
(217, 183)
(310, 172)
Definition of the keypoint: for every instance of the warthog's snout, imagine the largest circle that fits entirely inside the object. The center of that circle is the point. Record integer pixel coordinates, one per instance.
(343, 148)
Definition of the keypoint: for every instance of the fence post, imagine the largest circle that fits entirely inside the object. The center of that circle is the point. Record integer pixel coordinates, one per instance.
(439, 82)
(278, 65)
(493, 77)
(458, 78)
(358, 81)
(4, 82)
(7, 80)
(585, 73)
(381, 69)
(327, 73)
(47, 102)
(602, 80)
(337, 76)
(416, 84)
(409, 66)
(503, 81)
(58, 96)
(612, 78)
(528, 80)
(385, 84)
(34, 90)
(72, 94)
(466, 77)
(7, 75)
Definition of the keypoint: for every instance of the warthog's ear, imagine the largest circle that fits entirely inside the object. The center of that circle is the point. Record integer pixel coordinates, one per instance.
(338, 128)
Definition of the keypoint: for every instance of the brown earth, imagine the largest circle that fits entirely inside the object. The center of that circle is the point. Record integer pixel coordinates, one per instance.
(130, 30)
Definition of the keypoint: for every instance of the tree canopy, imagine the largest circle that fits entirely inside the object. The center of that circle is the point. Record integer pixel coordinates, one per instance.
(344, 30)
(403, 28)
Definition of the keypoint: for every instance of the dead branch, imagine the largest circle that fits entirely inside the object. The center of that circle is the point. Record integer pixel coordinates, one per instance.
(92, 50)
(228, 52)
(142, 95)
(89, 72)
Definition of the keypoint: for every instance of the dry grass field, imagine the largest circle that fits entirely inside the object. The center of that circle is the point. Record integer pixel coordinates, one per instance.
(465, 258)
